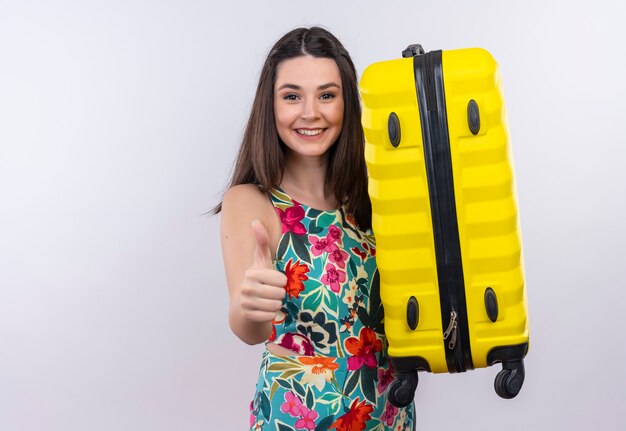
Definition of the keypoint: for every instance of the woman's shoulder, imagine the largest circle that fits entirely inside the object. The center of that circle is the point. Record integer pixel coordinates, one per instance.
(243, 192)
(247, 201)
(244, 196)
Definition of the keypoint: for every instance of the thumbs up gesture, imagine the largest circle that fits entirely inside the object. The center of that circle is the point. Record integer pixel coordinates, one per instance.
(263, 287)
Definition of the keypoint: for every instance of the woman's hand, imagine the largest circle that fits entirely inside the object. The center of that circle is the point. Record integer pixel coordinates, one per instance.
(263, 287)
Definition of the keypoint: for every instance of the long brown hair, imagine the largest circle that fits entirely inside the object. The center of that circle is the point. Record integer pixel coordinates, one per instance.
(261, 155)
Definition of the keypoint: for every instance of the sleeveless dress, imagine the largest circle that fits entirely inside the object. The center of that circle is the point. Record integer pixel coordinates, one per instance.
(332, 318)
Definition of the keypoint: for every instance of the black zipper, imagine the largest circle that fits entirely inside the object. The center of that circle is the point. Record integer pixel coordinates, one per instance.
(431, 100)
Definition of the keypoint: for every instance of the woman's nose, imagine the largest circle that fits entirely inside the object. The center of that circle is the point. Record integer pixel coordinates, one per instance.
(310, 110)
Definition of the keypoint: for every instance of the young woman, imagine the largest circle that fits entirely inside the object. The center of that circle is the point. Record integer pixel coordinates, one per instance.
(298, 249)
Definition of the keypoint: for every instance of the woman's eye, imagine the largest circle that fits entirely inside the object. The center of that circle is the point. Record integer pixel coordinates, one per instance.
(290, 97)
(327, 96)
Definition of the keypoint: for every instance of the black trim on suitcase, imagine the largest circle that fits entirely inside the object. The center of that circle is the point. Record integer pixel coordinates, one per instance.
(507, 353)
(431, 100)
(409, 363)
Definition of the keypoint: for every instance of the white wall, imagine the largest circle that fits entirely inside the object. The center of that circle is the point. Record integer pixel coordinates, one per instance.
(119, 121)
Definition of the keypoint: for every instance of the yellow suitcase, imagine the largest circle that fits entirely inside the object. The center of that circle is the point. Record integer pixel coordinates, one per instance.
(445, 217)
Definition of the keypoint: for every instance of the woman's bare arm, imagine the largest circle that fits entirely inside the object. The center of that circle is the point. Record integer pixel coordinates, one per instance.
(249, 237)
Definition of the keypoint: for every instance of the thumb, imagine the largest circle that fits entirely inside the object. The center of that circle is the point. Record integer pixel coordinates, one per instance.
(262, 253)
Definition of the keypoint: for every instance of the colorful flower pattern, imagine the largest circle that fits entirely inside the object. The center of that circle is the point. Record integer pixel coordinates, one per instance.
(363, 349)
(291, 219)
(333, 277)
(356, 418)
(296, 276)
(332, 319)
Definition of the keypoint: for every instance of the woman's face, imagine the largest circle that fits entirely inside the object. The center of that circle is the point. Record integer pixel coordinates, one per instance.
(308, 104)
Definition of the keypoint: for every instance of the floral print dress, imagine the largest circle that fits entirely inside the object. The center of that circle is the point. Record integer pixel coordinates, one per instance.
(332, 318)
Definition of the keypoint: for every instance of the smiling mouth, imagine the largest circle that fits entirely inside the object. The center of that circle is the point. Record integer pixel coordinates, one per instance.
(309, 132)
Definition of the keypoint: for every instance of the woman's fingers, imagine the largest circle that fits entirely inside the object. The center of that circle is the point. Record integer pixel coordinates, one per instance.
(261, 304)
(258, 315)
(269, 277)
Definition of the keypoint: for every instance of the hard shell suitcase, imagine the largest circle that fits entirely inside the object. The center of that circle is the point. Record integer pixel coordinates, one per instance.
(445, 217)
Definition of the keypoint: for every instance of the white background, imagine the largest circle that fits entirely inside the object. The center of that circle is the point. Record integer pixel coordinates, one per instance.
(119, 121)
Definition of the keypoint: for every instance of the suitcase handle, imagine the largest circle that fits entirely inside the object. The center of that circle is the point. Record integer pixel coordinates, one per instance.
(413, 50)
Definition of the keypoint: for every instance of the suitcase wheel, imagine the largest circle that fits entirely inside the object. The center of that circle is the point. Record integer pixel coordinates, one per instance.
(402, 391)
(509, 380)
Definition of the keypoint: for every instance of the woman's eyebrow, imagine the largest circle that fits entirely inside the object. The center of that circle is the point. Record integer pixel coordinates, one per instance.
(328, 85)
(297, 87)
(292, 86)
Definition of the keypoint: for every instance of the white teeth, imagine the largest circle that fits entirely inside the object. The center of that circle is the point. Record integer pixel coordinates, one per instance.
(309, 132)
